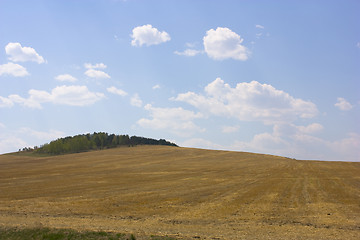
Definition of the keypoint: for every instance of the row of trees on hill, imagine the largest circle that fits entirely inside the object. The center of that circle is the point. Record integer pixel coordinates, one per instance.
(95, 141)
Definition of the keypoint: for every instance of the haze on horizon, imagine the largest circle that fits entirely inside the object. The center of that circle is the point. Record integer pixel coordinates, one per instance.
(273, 77)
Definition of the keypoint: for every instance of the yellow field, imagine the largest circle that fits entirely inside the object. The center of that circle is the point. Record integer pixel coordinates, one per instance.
(182, 192)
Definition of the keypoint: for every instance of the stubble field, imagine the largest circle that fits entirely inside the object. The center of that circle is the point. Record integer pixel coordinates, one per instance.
(182, 192)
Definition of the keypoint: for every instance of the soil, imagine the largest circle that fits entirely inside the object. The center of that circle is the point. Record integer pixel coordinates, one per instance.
(182, 192)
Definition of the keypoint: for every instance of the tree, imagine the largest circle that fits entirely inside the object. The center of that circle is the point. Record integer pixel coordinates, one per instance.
(101, 140)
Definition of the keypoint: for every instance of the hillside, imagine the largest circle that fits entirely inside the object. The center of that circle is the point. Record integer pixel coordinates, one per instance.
(182, 192)
(96, 141)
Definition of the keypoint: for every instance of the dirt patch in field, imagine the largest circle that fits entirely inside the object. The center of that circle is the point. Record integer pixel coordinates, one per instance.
(182, 192)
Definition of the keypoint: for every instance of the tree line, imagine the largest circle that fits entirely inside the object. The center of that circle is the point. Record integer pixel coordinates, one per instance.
(95, 141)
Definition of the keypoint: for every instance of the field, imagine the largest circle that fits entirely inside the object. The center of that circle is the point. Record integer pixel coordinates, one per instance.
(182, 193)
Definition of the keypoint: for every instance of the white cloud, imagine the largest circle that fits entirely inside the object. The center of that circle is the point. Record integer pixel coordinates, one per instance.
(97, 66)
(30, 102)
(223, 43)
(5, 102)
(157, 86)
(191, 45)
(96, 73)
(93, 72)
(249, 102)
(342, 104)
(347, 148)
(148, 35)
(10, 143)
(117, 91)
(136, 101)
(13, 69)
(230, 129)
(312, 128)
(289, 129)
(259, 26)
(74, 96)
(50, 135)
(201, 143)
(175, 120)
(17, 53)
(65, 78)
(297, 141)
(265, 143)
(188, 52)
(13, 140)
(63, 95)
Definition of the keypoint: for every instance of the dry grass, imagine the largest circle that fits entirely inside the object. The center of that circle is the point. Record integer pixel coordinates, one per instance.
(182, 192)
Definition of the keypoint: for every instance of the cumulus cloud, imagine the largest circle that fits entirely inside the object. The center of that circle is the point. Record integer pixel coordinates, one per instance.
(223, 43)
(188, 52)
(65, 78)
(63, 95)
(259, 26)
(191, 45)
(97, 66)
(13, 140)
(41, 135)
(96, 73)
(117, 91)
(312, 128)
(17, 53)
(13, 69)
(157, 86)
(201, 143)
(73, 95)
(5, 102)
(93, 72)
(10, 143)
(148, 35)
(230, 129)
(342, 104)
(136, 100)
(299, 141)
(30, 102)
(176, 120)
(265, 143)
(249, 102)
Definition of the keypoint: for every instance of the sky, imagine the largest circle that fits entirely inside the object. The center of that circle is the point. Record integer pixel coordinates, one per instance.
(274, 77)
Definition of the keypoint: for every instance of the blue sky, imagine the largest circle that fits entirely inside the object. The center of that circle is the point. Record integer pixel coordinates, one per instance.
(274, 77)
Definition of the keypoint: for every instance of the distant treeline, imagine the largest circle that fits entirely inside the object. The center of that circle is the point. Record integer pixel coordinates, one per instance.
(95, 141)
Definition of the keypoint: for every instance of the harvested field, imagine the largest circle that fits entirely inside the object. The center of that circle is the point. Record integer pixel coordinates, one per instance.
(182, 192)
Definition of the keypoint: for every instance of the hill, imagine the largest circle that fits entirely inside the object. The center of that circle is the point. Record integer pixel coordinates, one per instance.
(95, 141)
(182, 192)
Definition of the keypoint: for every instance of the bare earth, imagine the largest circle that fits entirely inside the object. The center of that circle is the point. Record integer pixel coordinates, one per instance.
(182, 192)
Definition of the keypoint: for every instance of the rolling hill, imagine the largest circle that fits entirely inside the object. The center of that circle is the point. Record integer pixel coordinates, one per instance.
(182, 192)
